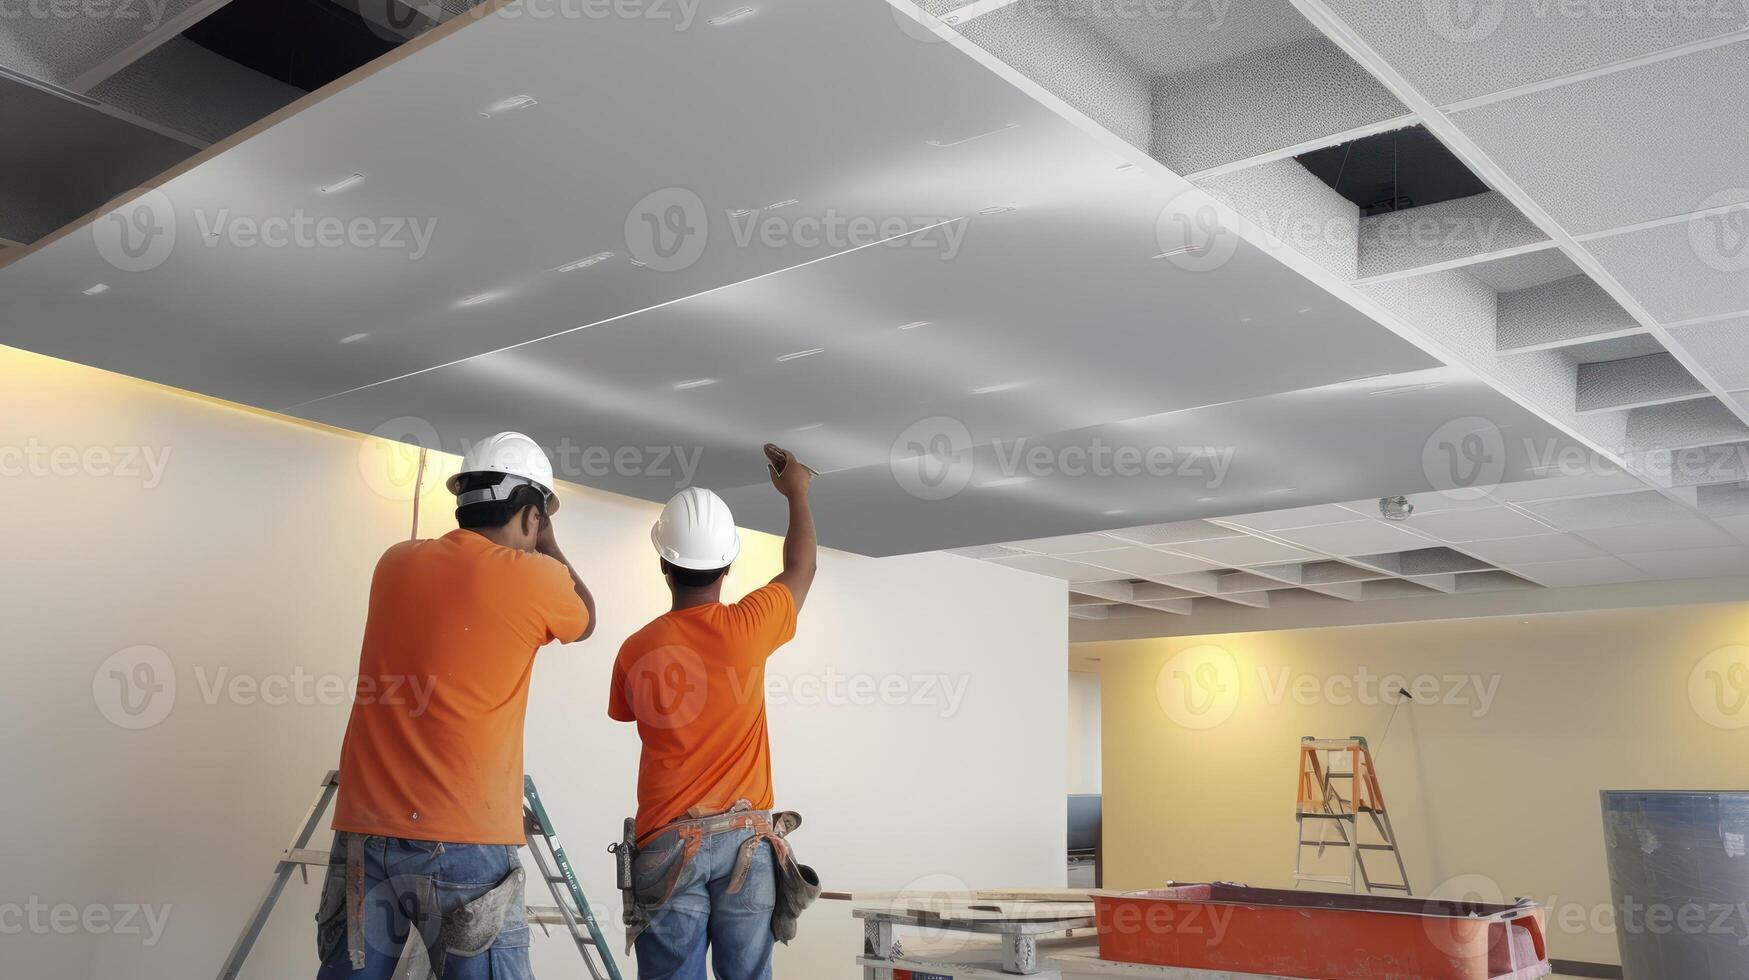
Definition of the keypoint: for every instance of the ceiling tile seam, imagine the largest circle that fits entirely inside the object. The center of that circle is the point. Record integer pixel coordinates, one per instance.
(1599, 71)
(1459, 263)
(1334, 139)
(1702, 320)
(1468, 151)
(169, 28)
(1247, 230)
(1352, 560)
(970, 11)
(1672, 219)
(620, 316)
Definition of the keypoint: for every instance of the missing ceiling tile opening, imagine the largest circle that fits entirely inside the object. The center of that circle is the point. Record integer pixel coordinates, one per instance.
(1405, 168)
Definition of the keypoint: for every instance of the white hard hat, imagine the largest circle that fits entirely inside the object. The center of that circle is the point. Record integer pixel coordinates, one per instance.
(696, 531)
(519, 458)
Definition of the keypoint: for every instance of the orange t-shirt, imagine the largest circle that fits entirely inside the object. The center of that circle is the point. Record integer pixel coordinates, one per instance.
(434, 747)
(694, 681)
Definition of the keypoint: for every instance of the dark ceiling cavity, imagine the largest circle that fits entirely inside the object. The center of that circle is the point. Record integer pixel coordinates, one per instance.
(1407, 168)
(303, 43)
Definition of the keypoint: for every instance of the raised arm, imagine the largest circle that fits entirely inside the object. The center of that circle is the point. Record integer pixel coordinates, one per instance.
(547, 544)
(800, 549)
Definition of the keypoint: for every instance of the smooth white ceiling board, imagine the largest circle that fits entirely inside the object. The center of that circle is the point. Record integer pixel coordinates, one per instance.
(1614, 510)
(1664, 536)
(1242, 551)
(989, 551)
(1533, 548)
(1355, 538)
(1524, 271)
(1147, 563)
(1685, 270)
(521, 194)
(1722, 348)
(1636, 145)
(1602, 478)
(1478, 525)
(1453, 51)
(1580, 572)
(1737, 527)
(1698, 563)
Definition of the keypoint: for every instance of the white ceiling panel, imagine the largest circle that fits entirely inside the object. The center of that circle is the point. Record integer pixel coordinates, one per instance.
(1644, 143)
(1685, 270)
(1354, 538)
(1165, 39)
(1456, 50)
(1697, 563)
(1068, 571)
(1599, 481)
(1737, 527)
(1069, 544)
(1722, 348)
(1481, 524)
(1294, 517)
(1146, 562)
(1174, 532)
(1614, 510)
(1525, 271)
(1533, 548)
(1581, 572)
(1242, 551)
(1664, 536)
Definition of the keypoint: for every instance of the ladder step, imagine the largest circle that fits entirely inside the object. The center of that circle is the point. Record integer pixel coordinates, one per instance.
(1329, 879)
(1325, 816)
(306, 856)
(1377, 847)
(1394, 888)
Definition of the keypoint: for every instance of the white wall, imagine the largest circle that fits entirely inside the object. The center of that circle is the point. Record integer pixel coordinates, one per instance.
(1084, 748)
(250, 554)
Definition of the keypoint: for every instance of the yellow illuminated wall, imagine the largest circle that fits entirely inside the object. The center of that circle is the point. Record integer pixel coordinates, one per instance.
(1492, 776)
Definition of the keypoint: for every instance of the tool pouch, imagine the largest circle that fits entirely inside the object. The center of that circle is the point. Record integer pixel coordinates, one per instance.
(472, 928)
(625, 855)
(331, 914)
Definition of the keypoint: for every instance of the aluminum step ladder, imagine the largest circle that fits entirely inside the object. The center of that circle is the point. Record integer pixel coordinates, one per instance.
(1326, 765)
(571, 911)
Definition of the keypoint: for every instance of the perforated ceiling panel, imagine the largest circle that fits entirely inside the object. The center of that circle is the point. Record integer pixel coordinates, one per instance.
(1722, 348)
(61, 43)
(1684, 270)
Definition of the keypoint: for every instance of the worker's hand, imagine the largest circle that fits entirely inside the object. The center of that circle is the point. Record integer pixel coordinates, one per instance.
(544, 540)
(789, 475)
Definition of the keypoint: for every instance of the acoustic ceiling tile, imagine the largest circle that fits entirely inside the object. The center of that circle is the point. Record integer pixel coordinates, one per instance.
(1583, 571)
(1275, 520)
(1174, 532)
(1454, 50)
(1242, 551)
(1362, 537)
(1695, 563)
(1478, 525)
(1069, 544)
(1663, 536)
(1613, 510)
(1685, 270)
(1146, 562)
(1722, 348)
(1649, 142)
(1534, 548)
(1598, 481)
(1526, 271)
(1068, 571)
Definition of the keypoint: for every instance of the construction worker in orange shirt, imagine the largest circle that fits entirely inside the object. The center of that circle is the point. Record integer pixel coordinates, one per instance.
(712, 869)
(424, 877)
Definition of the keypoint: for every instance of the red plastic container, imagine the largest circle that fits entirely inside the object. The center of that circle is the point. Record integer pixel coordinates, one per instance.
(1322, 935)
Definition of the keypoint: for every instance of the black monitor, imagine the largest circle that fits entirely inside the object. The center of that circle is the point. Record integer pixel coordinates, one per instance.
(1084, 822)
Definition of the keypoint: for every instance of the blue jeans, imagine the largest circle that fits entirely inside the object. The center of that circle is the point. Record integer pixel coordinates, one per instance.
(393, 866)
(701, 912)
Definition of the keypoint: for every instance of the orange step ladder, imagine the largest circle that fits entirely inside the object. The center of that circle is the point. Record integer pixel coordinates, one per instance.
(1326, 765)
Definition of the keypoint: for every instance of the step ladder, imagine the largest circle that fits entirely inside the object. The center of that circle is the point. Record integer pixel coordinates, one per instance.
(571, 911)
(1326, 767)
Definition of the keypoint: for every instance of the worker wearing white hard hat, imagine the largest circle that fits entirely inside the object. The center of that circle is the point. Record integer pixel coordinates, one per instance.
(704, 783)
(431, 767)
